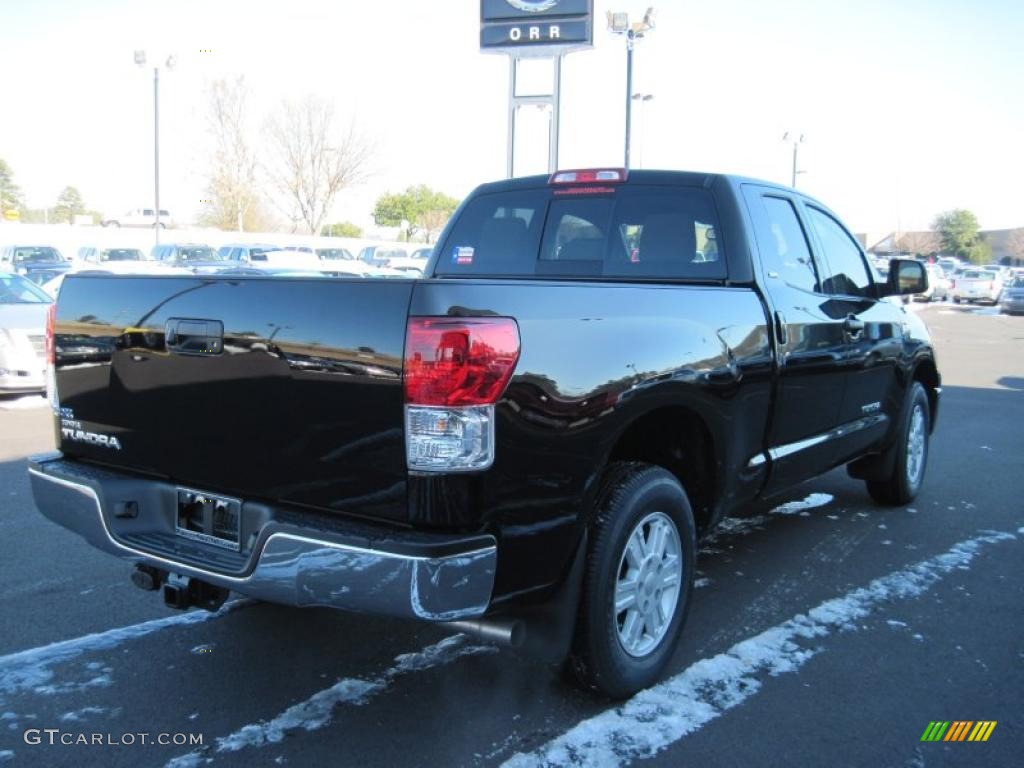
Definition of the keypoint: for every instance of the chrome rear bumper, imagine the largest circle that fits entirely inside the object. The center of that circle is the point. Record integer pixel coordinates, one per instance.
(407, 575)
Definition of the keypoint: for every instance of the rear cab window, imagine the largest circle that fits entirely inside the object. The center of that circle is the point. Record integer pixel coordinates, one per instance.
(630, 231)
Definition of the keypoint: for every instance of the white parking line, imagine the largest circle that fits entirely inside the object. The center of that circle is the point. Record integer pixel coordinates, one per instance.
(315, 712)
(31, 668)
(666, 713)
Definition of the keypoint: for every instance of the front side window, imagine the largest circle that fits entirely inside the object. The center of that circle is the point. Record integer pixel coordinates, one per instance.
(846, 273)
(785, 251)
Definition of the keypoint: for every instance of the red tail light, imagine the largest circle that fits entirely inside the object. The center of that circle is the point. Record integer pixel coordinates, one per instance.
(459, 361)
(51, 318)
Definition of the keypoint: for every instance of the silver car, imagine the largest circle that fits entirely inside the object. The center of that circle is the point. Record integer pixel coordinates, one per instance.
(1012, 300)
(23, 308)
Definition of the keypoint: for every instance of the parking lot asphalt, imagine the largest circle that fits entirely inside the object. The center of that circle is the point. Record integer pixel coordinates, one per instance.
(825, 631)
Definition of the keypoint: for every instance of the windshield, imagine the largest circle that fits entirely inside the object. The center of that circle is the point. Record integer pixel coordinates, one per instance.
(334, 253)
(199, 253)
(18, 290)
(260, 254)
(35, 253)
(121, 254)
(1018, 282)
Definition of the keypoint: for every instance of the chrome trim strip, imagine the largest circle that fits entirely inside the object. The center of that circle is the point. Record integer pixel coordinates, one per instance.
(782, 451)
(300, 570)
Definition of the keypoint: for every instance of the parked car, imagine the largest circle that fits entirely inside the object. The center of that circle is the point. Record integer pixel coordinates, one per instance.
(381, 255)
(245, 252)
(415, 263)
(973, 285)
(290, 258)
(195, 257)
(1012, 300)
(139, 217)
(38, 263)
(525, 444)
(938, 285)
(333, 254)
(94, 255)
(23, 308)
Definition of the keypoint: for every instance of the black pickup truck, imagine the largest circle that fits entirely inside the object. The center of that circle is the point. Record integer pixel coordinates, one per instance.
(598, 367)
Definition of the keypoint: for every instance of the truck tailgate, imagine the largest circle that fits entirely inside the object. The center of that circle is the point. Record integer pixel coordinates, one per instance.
(299, 400)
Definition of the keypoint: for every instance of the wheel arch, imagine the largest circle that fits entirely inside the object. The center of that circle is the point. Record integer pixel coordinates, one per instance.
(927, 373)
(680, 439)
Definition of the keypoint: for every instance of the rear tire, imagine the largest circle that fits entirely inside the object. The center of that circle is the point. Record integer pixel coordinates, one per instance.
(637, 583)
(911, 453)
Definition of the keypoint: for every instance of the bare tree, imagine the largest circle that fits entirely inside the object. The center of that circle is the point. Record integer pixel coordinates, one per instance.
(1015, 244)
(923, 243)
(311, 160)
(231, 184)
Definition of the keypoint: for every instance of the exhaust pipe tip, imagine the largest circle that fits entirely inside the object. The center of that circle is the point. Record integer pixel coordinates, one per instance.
(507, 632)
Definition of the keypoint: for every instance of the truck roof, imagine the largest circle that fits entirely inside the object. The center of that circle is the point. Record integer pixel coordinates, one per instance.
(644, 176)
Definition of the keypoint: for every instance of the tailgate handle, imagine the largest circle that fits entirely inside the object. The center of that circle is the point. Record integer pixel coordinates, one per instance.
(188, 336)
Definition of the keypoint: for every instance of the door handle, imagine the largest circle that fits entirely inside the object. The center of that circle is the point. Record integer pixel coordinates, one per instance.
(194, 337)
(853, 326)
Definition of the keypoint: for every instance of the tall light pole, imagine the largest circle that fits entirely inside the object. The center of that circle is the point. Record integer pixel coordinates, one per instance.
(140, 59)
(618, 23)
(641, 99)
(796, 141)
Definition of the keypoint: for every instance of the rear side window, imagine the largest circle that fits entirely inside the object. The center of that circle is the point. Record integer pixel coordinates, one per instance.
(784, 247)
(847, 274)
(635, 231)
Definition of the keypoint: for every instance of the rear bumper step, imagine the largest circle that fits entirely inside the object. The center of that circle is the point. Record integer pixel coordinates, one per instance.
(403, 574)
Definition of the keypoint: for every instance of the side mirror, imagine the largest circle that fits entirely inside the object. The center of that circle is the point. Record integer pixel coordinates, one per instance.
(906, 278)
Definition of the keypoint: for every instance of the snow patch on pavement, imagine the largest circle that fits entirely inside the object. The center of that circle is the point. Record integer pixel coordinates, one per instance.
(79, 714)
(662, 715)
(315, 712)
(31, 669)
(796, 507)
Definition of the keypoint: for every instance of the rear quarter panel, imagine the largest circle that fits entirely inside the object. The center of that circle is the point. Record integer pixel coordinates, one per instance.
(595, 357)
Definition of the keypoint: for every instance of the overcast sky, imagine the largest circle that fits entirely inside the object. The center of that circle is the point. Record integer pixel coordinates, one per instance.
(908, 107)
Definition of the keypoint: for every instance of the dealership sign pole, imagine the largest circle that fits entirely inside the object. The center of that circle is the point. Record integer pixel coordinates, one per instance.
(546, 29)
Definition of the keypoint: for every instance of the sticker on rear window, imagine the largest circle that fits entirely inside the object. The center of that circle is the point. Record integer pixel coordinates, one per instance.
(462, 255)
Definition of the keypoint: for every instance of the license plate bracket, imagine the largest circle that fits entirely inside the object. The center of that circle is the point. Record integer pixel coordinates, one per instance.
(209, 518)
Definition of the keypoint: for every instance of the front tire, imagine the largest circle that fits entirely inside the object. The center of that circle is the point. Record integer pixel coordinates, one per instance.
(912, 450)
(638, 581)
